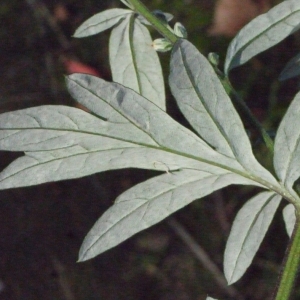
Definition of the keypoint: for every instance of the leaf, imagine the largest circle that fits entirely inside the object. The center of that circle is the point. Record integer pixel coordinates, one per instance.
(101, 21)
(247, 233)
(116, 103)
(289, 217)
(292, 68)
(263, 32)
(287, 146)
(134, 62)
(205, 104)
(148, 203)
(210, 298)
(63, 143)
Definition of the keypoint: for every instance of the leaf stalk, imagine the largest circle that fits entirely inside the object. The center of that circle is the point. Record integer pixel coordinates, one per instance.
(290, 266)
(156, 23)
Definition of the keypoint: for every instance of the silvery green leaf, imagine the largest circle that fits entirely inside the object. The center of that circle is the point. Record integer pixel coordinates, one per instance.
(63, 143)
(289, 217)
(287, 146)
(247, 233)
(205, 104)
(147, 204)
(292, 68)
(101, 21)
(128, 107)
(263, 32)
(180, 30)
(125, 2)
(134, 62)
(162, 45)
(213, 58)
(210, 298)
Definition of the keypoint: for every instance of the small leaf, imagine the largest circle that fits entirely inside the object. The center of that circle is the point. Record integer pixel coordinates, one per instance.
(125, 2)
(210, 298)
(101, 21)
(289, 217)
(263, 32)
(162, 45)
(292, 68)
(134, 62)
(180, 30)
(147, 204)
(167, 16)
(205, 104)
(287, 146)
(247, 233)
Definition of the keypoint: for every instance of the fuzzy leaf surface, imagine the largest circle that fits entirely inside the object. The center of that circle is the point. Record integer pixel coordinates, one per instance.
(289, 217)
(291, 69)
(205, 104)
(134, 62)
(101, 22)
(263, 32)
(287, 146)
(247, 233)
(150, 202)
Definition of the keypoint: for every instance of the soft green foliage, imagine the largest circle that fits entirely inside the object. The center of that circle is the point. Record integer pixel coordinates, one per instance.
(247, 232)
(291, 69)
(263, 32)
(128, 127)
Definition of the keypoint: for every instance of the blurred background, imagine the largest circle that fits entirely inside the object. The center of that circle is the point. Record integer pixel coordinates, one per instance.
(42, 227)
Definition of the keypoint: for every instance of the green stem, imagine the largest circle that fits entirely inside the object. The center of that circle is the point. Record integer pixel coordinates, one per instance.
(247, 112)
(290, 267)
(156, 23)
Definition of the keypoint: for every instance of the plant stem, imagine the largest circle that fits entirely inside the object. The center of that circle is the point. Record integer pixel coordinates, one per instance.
(247, 112)
(156, 23)
(290, 267)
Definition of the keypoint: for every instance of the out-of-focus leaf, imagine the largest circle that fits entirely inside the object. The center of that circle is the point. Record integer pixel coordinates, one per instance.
(148, 203)
(101, 21)
(134, 62)
(287, 146)
(247, 233)
(205, 104)
(289, 217)
(210, 298)
(263, 32)
(292, 68)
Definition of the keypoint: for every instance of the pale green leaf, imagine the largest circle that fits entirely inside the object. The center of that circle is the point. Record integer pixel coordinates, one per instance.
(210, 298)
(289, 217)
(247, 233)
(292, 68)
(103, 98)
(134, 62)
(148, 203)
(287, 146)
(101, 22)
(263, 32)
(205, 104)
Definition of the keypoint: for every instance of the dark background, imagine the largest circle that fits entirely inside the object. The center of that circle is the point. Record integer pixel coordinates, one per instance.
(42, 227)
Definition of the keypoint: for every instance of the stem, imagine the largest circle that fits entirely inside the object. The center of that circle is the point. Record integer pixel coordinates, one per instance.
(156, 23)
(247, 112)
(290, 267)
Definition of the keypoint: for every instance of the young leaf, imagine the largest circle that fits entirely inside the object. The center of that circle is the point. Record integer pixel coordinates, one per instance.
(289, 217)
(247, 233)
(210, 298)
(263, 32)
(148, 203)
(205, 104)
(292, 68)
(101, 21)
(134, 62)
(287, 146)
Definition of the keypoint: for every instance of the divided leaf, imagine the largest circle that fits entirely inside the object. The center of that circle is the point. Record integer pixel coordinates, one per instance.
(205, 104)
(291, 69)
(150, 202)
(101, 21)
(134, 62)
(263, 32)
(247, 233)
(289, 217)
(287, 146)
